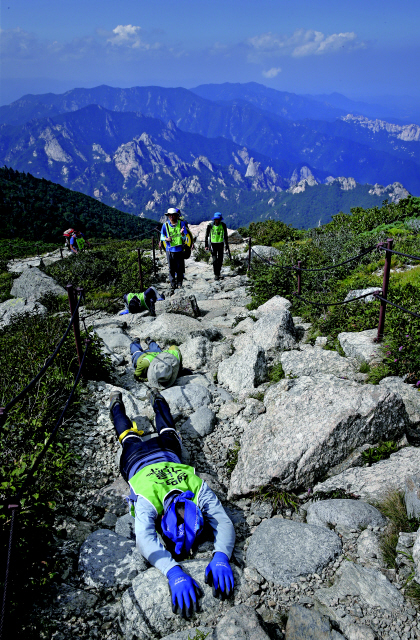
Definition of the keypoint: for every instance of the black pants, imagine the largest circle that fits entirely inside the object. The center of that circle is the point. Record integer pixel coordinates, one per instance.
(176, 264)
(217, 254)
(134, 448)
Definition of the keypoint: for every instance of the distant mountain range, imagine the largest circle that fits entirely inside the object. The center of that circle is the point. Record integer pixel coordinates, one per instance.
(250, 151)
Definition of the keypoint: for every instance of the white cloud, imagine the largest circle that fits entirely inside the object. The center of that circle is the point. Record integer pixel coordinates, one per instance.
(303, 42)
(271, 73)
(127, 35)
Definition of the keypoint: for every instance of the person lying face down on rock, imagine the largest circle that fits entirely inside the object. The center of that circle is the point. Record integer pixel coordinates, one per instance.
(168, 497)
(145, 301)
(159, 368)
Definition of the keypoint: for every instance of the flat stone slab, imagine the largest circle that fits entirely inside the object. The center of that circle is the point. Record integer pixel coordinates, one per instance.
(353, 514)
(108, 560)
(282, 550)
(360, 345)
(196, 352)
(274, 305)
(240, 623)
(310, 425)
(174, 328)
(114, 337)
(147, 604)
(373, 483)
(201, 423)
(369, 549)
(33, 283)
(10, 309)
(69, 599)
(416, 556)
(355, 293)
(412, 495)
(370, 586)
(245, 369)
(308, 624)
(186, 399)
(312, 361)
(409, 394)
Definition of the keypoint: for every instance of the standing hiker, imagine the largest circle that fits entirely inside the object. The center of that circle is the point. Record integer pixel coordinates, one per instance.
(217, 231)
(78, 242)
(174, 234)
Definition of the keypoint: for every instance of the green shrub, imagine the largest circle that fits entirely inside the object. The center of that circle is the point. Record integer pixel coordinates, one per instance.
(276, 373)
(232, 458)
(393, 507)
(381, 452)
(279, 498)
(201, 255)
(269, 231)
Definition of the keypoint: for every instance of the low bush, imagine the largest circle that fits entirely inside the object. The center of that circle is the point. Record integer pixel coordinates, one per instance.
(393, 507)
(232, 458)
(381, 452)
(276, 373)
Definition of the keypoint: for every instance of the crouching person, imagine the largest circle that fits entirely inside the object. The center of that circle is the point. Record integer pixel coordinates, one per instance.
(145, 301)
(168, 497)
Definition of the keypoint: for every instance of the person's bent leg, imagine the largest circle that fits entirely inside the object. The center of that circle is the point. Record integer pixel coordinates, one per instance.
(136, 351)
(153, 347)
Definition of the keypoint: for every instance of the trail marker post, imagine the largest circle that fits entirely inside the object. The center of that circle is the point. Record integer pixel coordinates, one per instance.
(249, 254)
(154, 255)
(76, 326)
(61, 252)
(140, 269)
(299, 278)
(385, 283)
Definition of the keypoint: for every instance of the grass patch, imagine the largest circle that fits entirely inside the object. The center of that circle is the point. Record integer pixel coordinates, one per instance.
(232, 458)
(279, 499)
(335, 494)
(276, 373)
(381, 452)
(364, 367)
(258, 396)
(393, 507)
(412, 591)
(199, 635)
(378, 372)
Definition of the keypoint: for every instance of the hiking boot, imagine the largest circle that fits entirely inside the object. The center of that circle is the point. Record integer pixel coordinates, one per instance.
(148, 340)
(136, 340)
(217, 277)
(115, 397)
(172, 291)
(153, 395)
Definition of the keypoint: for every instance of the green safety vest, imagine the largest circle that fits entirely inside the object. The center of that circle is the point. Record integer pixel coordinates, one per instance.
(155, 481)
(175, 234)
(140, 296)
(80, 243)
(217, 233)
(150, 356)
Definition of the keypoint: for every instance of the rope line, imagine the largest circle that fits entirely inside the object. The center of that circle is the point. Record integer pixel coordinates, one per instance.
(332, 304)
(30, 475)
(416, 315)
(50, 360)
(398, 253)
(335, 266)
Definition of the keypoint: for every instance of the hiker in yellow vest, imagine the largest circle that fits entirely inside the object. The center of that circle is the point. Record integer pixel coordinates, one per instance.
(143, 301)
(159, 368)
(78, 242)
(167, 497)
(217, 232)
(174, 233)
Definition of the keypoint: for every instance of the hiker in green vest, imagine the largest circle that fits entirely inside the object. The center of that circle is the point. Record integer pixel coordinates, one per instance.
(78, 242)
(167, 497)
(217, 232)
(174, 233)
(144, 301)
(159, 368)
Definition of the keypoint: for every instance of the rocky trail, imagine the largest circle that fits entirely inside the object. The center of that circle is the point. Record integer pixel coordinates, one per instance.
(304, 569)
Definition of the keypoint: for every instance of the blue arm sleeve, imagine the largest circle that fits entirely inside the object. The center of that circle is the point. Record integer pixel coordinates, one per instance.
(146, 537)
(224, 533)
(163, 235)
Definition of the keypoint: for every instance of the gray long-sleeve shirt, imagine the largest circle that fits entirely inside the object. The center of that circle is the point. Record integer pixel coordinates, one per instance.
(153, 550)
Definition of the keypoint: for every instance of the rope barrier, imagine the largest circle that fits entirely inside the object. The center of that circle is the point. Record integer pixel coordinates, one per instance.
(31, 473)
(416, 315)
(50, 360)
(398, 253)
(335, 266)
(332, 304)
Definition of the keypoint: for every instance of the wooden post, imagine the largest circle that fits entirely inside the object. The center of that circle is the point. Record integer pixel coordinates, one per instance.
(76, 327)
(154, 256)
(140, 269)
(61, 252)
(385, 283)
(299, 276)
(249, 254)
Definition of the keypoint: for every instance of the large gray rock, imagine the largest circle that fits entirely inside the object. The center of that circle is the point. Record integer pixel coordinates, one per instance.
(125, 527)
(312, 424)
(353, 514)
(369, 549)
(196, 352)
(109, 560)
(173, 328)
(409, 394)
(282, 550)
(355, 293)
(243, 370)
(147, 604)
(261, 251)
(33, 283)
(69, 600)
(10, 309)
(312, 361)
(308, 624)
(412, 495)
(240, 623)
(186, 399)
(275, 331)
(199, 424)
(373, 483)
(416, 556)
(181, 303)
(370, 586)
(274, 305)
(360, 345)
(114, 337)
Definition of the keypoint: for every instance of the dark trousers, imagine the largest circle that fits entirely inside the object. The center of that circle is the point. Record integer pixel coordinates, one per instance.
(176, 264)
(217, 254)
(134, 448)
(136, 350)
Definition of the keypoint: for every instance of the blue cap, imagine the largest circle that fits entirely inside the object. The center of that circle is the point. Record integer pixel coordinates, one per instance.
(184, 534)
(217, 215)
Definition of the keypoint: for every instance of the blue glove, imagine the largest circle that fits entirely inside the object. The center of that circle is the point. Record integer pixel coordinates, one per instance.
(184, 591)
(219, 575)
(123, 313)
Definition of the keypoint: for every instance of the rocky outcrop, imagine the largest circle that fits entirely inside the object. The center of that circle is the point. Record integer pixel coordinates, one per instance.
(33, 283)
(11, 309)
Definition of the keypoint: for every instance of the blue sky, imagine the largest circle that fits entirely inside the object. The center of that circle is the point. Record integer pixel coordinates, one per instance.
(362, 49)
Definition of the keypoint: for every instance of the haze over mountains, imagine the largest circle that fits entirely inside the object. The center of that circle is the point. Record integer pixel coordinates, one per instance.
(250, 151)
